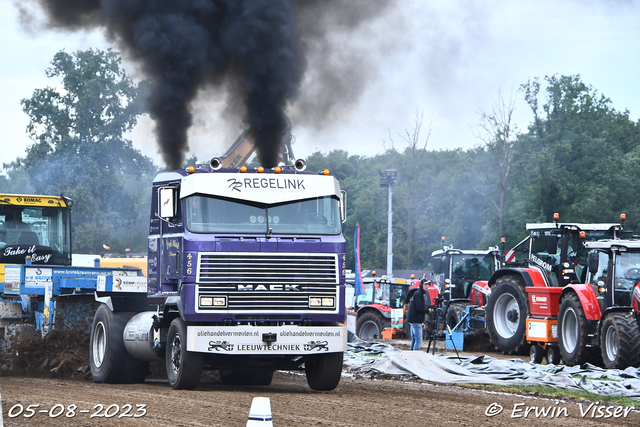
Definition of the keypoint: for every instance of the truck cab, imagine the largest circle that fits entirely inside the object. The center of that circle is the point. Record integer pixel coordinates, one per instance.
(246, 273)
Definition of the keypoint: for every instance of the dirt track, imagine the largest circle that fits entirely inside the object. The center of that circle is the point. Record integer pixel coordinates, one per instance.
(356, 402)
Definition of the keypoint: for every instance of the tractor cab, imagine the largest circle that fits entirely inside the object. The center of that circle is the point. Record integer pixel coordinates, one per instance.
(35, 230)
(614, 269)
(558, 249)
(459, 269)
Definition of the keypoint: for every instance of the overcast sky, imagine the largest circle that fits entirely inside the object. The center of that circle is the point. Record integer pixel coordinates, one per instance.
(448, 59)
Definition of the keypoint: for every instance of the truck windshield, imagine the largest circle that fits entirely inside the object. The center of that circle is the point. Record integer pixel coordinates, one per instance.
(40, 232)
(206, 214)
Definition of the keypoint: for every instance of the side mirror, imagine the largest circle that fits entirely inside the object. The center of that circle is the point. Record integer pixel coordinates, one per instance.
(594, 261)
(552, 244)
(166, 202)
(343, 206)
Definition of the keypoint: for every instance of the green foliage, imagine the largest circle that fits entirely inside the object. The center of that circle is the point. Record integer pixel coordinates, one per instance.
(79, 151)
(579, 157)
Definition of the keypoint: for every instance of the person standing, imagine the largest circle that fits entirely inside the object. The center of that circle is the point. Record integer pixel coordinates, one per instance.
(416, 312)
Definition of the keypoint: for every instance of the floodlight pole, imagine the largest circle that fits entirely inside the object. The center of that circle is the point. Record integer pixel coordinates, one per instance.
(388, 178)
(390, 235)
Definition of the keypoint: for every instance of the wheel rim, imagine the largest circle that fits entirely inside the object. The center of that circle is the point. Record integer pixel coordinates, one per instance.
(570, 330)
(506, 327)
(99, 344)
(369, 330)
(611, 343)
(175, 354)
(533, 354)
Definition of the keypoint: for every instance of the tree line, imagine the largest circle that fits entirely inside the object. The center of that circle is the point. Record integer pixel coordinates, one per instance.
(578, 157)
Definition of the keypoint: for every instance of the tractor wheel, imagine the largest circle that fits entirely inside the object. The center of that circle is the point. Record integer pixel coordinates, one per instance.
(369, 326)
(536, 353)
(620, 341)
(183, 367)
(324, 371)
(230, 377)
(573, 332)
(553, 355)
(455, 312)
(108, 358)
(506, 315)
(452, 318)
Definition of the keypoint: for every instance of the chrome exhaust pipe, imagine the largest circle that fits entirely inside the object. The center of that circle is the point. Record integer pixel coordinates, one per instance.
(300, 165)
(215, 163)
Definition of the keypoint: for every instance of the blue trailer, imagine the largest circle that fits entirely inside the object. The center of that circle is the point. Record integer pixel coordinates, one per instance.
(39, 288)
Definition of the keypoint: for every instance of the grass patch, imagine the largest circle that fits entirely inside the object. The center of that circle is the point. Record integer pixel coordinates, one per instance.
(556, 393)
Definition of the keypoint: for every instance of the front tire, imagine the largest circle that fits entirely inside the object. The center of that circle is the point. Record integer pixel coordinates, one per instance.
(369, 326)
(573, 332)
(620, 341)
(323, 371)
(183, 367)
(507, 312)
(108, 358)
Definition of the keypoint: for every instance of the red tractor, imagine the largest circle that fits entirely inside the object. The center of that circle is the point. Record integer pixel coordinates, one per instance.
(553, 256)
(601, 318)
(383, 305)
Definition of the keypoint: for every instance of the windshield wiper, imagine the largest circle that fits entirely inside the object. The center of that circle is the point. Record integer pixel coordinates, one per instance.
(269, 230)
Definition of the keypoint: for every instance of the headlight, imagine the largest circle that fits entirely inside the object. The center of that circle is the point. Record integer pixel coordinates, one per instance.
(315, 302)
(213, 301)
(327, 302)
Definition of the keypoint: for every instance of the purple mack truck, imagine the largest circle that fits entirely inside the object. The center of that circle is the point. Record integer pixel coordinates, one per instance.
(246, 273)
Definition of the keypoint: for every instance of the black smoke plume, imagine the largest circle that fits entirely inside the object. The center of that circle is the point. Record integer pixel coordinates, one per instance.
(255, 49)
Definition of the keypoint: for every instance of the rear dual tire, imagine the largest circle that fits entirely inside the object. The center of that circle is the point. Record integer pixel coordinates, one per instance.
(108, 358)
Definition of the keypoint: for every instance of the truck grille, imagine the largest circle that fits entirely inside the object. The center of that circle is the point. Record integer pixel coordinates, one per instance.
(268, 282)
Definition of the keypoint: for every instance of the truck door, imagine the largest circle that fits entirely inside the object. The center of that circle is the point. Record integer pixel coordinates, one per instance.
(169, 240)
